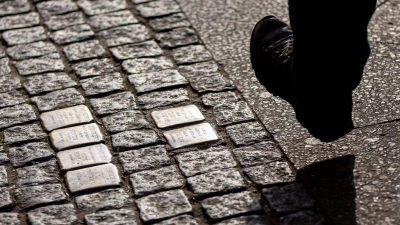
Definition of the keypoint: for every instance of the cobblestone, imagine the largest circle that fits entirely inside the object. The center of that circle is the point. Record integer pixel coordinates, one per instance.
(57, 22)
(108, 199)
(198, 162)
(228, 113)
(198, 69)
(243, 220)
(8, 82)
(112, 217)
(213, 99)
(145, 82)
(179, 220)
(10, 99)
(144, 159)
(2, 51)
(162, 179)
(26, 51)
(177, 37)
(257, 154)
(92, 7)
(271, 173)
(114, 103)
(191, 54)
(144, 49)
(58, 99)
(103, 84)
(304, 217)
(5, 68)
(66, 117)
(94, 67)
(162, 98)
(163, 205)
(169, 22)
(147, 64)
(158, 8)
(230, 205)
(28, 197)
(125, 120)
(84, 50)
(55, 214)
(25, 35)
(29, 132)
(3, 176)
(29, 152)
(9, 218)
(48, 82)
(19, 21)
(113, 19)
(246, 133)
(125, 35)
(16, 115)
(71, 34)
(14, 7)
(47, 63)
(3, 158)
(134, 138)
(211, 82)
(41, 173)
(56, 7)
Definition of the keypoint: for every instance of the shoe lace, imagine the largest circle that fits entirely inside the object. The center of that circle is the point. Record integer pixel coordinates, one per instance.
(281, 50)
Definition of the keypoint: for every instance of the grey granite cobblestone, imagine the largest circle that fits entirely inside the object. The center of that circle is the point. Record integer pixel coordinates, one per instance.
(19, 21)
(94, 67)
(179, 220)
(2, 51)
(163, 205)
(147, 65)
(243, 220)
(47, 63)
(191, 54)
(198, 162)
(112, 217)
(14, 7)
(26, 51)
(134, 138)
(246, 133)
(57, 22)
(25, 35)
(125, 120)
(93, 7)
(177, 37)
(41, 173)
(145, 82)
(271, 173)
(213, 99)
(8, 82)
(303, 217)
(3, 158)
(125, 35)
(71, 34)
(198, 69)
(144, 159)
(144, 49)
(169, 22)
(58, 99)
(113, 19)
(108, 199)
(9, 218)
(257, 154)
(211, 83)
(29, 152)
(162, 179)
(55, 7)
(10, 98)
(3, 176)
(28, 132)
(162, 98)
(103, 84)
(16, 115)
(158, 8)
(114, 103)
(228, 113)
(84, 50)
(48, 82)
(55, 214)
(28, 197)
(4, 67)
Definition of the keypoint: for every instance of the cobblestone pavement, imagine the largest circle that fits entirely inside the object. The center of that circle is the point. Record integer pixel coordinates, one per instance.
(147, 112)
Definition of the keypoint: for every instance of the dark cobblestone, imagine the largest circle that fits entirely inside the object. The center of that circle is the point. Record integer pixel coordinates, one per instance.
(48, 82)
(169, 22)
(109, 217)
(40, 173)
(134, 138)
(84, 50)
(71, 34)
(163, 205)
(57, 22)
(177, 37)
(103, 84)
(35, 195)
(125, 120)
(94, 67)
(198, 69)
(125, 35)
(3, 158)
(158, 8)
(10, 98)
(31, 50)
(162, 179)
(246, 133)
(114, 103)
(271, 173)
(144, 159)
(9, 218)
(304, 217)
(50, 8)
(46, 63)
(179, 220)
(58, 99)
(228, 113)
(243, 220)
(29, 152)
(257, 154)
(198, 162)
(19, 21)
(108, 199)
(147, 64)
(191, 54)
(114, 19)
(213, 99)
(55, 214)
(16, 114)
(145, 82)
(216, 182)
(29, 132)
(14, 7)
(93, 7)
(3, 176)
(144, 49)
(211, 82)
(163, 98)
(230, 205)
(25, 35)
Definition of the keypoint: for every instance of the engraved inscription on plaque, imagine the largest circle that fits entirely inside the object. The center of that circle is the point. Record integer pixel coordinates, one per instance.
(76, 136)
(83, 157)
(191, 135)
(176, 116)
(66, 117)
(92, 178)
